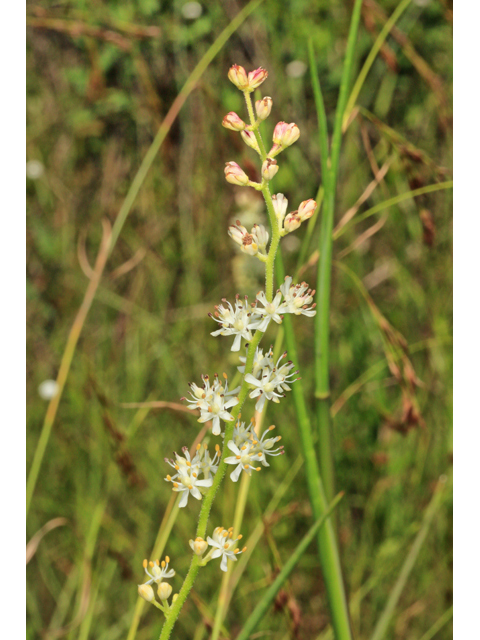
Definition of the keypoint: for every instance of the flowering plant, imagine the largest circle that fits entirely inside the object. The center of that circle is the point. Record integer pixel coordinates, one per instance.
(244, 450)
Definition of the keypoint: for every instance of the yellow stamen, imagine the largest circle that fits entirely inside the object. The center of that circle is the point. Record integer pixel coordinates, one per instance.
(145, 563)
(167, 558)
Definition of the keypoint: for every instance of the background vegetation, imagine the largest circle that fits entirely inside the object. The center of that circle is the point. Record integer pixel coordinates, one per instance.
(101, 77)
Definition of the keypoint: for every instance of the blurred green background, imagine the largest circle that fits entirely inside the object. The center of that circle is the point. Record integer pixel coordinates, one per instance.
(101, 77)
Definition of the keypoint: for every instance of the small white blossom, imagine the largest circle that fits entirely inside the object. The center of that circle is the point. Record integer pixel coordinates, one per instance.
(297, 298)
(158, 570)
(253, 243)
(186, 478)
(243, 459)
(224, 544)
(208, 466)
(272, 383)
(259, 447)
(214, 402)
(265, 445)
(259, 361)
(236, 321)
(271, 310)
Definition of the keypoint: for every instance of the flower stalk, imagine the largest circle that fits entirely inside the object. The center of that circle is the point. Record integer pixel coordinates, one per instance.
(263, 379)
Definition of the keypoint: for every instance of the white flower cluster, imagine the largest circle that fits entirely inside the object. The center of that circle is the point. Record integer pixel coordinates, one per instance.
(248, 448)
(187, 470)
(234, 321)
(213, 401)
(222, 544)
(158, 572)
(270, 380)
(241, 320)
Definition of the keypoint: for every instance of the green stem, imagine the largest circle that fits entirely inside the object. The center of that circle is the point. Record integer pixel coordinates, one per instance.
(322, 319)
(326, 540)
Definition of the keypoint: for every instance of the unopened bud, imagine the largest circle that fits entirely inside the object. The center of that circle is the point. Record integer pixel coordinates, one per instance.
(285, 134)
(238, 76)
(260, 235)
(306, 209)
(199, 545)
(164, 590)
(250, 140)
(235, 174)
(255, 78)
(263, 107)
(269, 168)
(175, 596)
(234, 122)
(292, 222)
(280, 204)
(145, 591)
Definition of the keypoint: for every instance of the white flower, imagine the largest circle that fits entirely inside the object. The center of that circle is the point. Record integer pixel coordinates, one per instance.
(259, 361)
(234, 322)
(273, 381)
(271, 310)
(243, 458)
(252, 243)
(297, 298)
(208, 465)
(186, 479)
(265, 446)
(158, 570)
(223, 545)
(280, 204)
(213, 403)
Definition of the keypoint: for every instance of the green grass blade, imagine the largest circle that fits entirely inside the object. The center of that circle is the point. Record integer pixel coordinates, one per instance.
(269, 596)
(382, 625)
(439, 624)
(320, 108)
(327, 543)
(377, 45)
(322, 319)
(381, 206)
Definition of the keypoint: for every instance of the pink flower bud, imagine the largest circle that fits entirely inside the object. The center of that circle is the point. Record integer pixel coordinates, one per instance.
(269, 168)
(255, 78)
(285, 134)
(235, 174)
(234, 122)
(263, 107)
(238, 76)
(250, 140)
(292, 222)
(306, 209)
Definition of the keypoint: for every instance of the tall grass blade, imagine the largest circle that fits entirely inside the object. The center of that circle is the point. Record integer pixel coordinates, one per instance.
(377, 45)
(321, 114)
(382, 625)
(326, 540)
(262, 607)
(322, 319)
